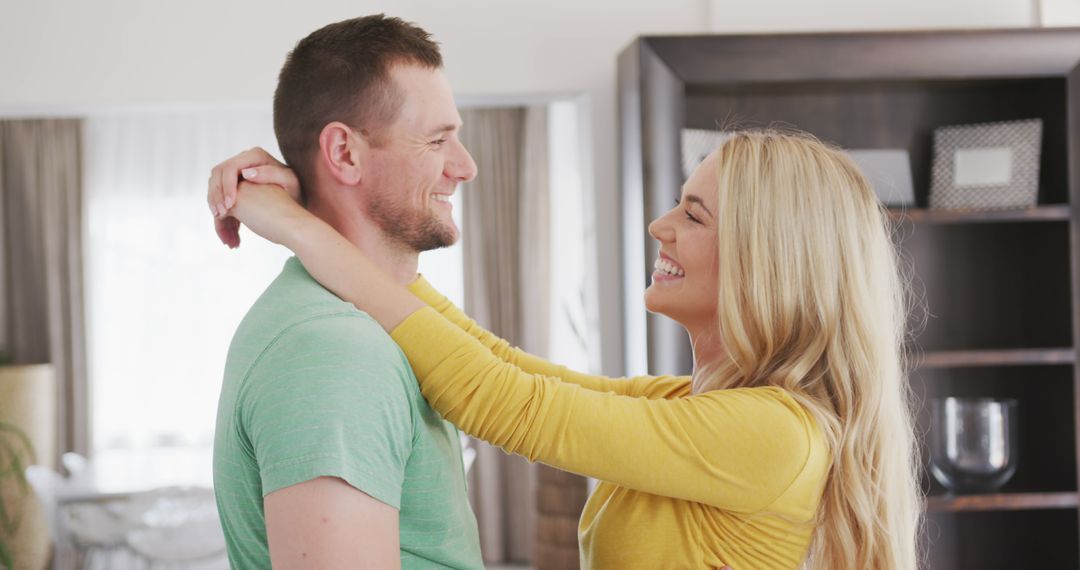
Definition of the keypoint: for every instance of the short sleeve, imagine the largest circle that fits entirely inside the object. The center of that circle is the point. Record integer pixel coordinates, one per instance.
(329, 398)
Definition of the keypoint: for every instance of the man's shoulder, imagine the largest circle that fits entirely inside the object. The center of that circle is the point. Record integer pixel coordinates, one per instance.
(293, 297)
(348, 336)
(298, 317)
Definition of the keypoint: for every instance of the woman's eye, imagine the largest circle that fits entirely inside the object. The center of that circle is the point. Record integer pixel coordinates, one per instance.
(688, 215)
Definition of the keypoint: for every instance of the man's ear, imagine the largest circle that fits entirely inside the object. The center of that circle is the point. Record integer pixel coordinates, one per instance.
(341, 149)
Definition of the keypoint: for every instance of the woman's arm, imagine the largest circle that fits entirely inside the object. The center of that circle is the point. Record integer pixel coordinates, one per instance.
(647, 386)
(318, 246)
(735, 449)
(257, 165)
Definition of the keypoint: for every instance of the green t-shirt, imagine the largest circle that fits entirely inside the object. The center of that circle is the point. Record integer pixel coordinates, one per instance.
(313, 387)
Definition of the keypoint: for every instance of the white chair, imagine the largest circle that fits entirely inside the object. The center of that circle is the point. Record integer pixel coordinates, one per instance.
(176, 527)
(95, 529)
(76, 465)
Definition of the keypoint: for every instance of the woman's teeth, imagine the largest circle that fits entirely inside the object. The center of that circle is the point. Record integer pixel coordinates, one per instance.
(668, 267)
(441, 197)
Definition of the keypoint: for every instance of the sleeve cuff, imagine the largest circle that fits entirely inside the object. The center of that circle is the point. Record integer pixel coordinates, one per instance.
(427, 293)
(306, 469)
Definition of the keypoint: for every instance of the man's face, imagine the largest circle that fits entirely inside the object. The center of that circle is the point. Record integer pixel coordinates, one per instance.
(411, 175)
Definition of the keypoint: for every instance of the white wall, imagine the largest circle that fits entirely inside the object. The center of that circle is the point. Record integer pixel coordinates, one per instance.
(839, 15)
(1060, 12)
(72, 56)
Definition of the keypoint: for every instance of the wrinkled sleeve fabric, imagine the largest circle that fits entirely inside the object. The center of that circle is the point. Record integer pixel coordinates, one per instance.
(734, 449)
(329, 398)
(646, 386)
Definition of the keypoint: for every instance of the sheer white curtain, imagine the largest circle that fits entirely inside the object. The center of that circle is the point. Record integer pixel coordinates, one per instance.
(163, 295)
(571, 323)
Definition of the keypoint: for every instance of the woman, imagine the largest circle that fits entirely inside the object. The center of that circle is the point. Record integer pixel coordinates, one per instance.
(792, 440)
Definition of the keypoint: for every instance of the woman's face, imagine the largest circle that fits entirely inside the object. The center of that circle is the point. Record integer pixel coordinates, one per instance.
(684, 280)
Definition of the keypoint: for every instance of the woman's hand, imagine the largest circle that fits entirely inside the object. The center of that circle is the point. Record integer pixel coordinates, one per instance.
(271, 212)
(255, 165)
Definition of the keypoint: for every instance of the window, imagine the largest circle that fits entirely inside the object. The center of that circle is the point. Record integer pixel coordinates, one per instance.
(163, 295)
(569, 336)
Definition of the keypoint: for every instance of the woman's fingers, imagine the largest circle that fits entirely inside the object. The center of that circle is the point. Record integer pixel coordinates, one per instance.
(276, 175)
(228, 176)
(213, 192)
(254, 165)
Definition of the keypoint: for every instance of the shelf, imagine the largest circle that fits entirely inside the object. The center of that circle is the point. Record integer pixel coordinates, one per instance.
(996, 279)
(1001, 502)
(1015, 357)
(1045, 213)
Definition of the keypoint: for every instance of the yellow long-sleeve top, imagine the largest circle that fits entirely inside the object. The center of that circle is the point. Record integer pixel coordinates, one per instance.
(686, 481)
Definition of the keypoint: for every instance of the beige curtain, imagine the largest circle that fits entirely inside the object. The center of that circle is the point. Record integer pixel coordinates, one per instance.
(505, 239)
(41, 269)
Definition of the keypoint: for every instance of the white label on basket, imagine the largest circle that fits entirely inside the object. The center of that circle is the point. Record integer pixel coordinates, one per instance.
(990, 166)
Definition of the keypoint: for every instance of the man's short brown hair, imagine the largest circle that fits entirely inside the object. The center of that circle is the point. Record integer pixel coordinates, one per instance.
(341, 72)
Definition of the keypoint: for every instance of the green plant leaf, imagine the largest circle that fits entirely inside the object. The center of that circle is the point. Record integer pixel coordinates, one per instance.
(15, 457)
(7, 562)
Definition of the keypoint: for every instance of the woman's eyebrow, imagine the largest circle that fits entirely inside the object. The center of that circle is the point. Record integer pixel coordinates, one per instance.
(699, 202)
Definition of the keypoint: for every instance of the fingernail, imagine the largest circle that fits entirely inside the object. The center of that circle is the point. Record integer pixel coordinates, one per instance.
(228, 202)
(249, 173)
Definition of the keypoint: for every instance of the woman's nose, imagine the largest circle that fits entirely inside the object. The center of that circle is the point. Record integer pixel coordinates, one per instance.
(660, 229)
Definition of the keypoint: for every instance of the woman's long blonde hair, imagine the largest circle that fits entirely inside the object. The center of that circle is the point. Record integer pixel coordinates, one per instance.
(810, 300)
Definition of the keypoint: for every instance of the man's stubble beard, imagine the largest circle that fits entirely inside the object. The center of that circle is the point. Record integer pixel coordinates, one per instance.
(418, 231)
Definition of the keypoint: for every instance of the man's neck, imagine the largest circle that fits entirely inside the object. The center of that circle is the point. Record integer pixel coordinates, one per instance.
(399, 263)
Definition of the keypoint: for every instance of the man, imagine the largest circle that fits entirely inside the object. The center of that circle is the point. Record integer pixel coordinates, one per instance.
(326, 455)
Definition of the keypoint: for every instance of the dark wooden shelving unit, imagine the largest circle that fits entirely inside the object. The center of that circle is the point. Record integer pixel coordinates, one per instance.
(1048, 213)
(1001, 288)
(1014, 357)
(1001, 502)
